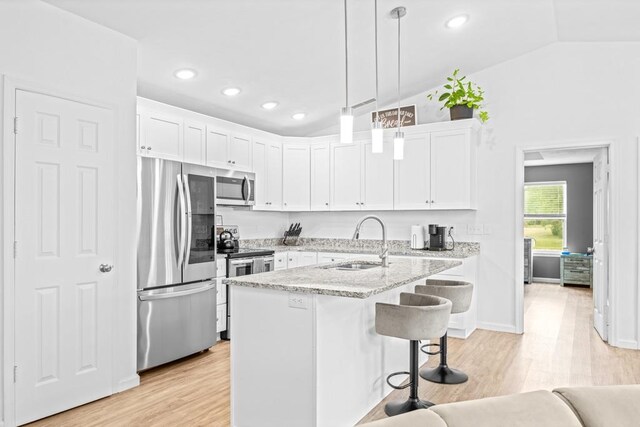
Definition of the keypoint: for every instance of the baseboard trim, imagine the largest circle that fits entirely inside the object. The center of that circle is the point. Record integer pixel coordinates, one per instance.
(497, 327)
(545, 280)
(127, 383)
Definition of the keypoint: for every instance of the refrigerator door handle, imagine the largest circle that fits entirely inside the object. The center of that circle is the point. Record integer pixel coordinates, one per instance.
(183, 213)
(189, 219)
(152, 297)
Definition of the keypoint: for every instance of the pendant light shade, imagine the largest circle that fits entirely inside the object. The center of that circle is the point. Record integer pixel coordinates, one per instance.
(346, 125)
(398, 146)
(398, 139)
(377, 135)
(346, 114)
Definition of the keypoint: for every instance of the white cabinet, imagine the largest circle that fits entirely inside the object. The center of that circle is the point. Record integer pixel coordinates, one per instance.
(453, 170)
(377, 178)
(240, 152)
(320, 177)
(221, 316)
(301, 259)
(324, 257)
(411, 182)
(345, 176)
(280, 259)
(360, 179)
(296, 182)
(438, 171)
(267, 165)
(195, 147)
(229, 151)
(161, 135)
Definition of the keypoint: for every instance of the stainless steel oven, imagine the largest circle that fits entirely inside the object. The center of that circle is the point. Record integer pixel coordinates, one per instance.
(235, 189)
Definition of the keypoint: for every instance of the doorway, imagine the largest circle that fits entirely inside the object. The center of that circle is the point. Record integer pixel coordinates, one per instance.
(564, 219)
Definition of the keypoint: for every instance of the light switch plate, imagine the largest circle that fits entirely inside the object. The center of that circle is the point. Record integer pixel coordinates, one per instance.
(298, 301)
(475, 229)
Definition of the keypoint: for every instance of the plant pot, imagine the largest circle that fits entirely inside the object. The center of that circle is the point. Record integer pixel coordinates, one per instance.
(459, 112)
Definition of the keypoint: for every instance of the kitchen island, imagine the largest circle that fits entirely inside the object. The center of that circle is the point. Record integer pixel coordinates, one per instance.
(304, 351)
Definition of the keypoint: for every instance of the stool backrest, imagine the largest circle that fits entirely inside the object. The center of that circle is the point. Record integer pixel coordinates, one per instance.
(417, 317)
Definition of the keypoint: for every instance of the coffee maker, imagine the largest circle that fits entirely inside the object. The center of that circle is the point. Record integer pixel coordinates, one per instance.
(437, 238)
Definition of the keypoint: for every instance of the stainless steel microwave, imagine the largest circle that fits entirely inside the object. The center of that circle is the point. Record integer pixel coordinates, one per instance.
(235, 189)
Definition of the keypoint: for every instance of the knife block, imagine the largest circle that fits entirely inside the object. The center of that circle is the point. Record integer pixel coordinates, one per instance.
(290, 239)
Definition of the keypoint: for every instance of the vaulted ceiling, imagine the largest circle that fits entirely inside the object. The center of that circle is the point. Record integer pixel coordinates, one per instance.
(292, 51)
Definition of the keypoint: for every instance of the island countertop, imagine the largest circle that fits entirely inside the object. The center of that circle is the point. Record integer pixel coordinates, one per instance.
(326, 279)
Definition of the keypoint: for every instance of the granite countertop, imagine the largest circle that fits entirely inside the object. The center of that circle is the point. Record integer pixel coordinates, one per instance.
(325, 279)
(363, 246)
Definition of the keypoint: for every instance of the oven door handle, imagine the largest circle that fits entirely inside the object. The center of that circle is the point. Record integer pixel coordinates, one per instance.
(242, 262)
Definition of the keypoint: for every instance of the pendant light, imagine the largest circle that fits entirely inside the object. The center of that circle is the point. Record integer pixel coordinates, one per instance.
(377, 132)
(346, 114)
(398, 138)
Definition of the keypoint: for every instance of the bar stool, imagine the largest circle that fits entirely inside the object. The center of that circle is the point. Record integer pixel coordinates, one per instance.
(417, 317)
(459, 293)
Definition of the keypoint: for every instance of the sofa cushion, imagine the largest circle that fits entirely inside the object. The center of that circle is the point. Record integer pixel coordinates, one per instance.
(418, 418)
(605, 405)
(534, 409)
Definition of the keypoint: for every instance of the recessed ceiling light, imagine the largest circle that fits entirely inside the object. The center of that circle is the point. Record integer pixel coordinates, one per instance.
(457, 21)
(299, 116)
(185, 74)
(270, 105)
(231, 91)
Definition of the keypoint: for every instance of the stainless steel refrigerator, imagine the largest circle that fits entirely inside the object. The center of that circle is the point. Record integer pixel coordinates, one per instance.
(176, 261)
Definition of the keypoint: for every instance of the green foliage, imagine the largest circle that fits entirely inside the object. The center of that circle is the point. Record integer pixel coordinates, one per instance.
(459, 92)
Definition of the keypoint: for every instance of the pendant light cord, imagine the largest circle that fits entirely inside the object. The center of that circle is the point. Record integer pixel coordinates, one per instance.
(346, 58)
(399, 17)
(376, 56)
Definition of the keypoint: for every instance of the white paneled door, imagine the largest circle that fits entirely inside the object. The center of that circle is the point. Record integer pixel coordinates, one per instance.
(65, 223)
(600, 239)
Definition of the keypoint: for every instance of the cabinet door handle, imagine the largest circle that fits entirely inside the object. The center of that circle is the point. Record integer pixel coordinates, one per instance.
(234, 162)
(148, 148)
(143, 148)
(433, 201)
(326, 204)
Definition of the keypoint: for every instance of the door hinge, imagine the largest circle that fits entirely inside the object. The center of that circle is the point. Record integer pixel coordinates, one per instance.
(15, 374)
(15, 249)
(15, 125)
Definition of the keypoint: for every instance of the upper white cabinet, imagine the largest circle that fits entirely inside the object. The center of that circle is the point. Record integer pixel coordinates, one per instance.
(161, 135)
(377, 178)
(345, 176)
(195, 148)
(320, 177)
(438, 171)
(296, 182)
(360, 179)
(225, 150)
(267, 165)
(412, 179)
(453, 170)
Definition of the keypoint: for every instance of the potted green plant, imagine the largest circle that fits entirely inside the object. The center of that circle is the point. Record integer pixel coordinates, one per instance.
(461, 98)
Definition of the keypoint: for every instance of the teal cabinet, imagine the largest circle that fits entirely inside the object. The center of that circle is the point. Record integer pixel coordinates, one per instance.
(576, 269)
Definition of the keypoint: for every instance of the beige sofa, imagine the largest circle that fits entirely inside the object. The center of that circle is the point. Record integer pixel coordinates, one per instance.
(604, 406)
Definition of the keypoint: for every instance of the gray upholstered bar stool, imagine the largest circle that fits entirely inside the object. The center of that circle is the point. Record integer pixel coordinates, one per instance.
(417, 317)
(459, 293)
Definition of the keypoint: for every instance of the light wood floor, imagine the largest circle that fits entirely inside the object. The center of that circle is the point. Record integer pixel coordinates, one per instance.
(559, 348)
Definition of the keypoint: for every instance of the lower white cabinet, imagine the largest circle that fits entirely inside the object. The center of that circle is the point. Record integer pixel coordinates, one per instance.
(301, 259)
(280, 261)
(221, 316)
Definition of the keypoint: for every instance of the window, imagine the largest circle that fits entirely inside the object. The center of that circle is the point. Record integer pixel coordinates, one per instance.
(545, 215)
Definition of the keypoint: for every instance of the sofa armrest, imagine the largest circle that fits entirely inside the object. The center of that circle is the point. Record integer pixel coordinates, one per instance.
(604, 405)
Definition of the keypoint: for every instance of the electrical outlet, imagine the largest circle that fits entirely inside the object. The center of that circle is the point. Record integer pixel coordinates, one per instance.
(298, 301)
(475, 229)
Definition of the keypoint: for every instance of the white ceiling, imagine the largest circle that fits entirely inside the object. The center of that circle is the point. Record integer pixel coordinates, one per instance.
(292, 51)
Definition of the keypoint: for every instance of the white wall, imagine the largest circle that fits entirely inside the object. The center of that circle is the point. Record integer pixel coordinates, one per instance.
(559, 93)
(44, 45)
(255, 224)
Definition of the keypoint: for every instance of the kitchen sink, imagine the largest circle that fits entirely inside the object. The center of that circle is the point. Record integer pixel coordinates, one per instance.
(355, 266)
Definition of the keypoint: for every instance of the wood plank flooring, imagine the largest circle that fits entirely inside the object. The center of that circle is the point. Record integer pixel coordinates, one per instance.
(559, 348)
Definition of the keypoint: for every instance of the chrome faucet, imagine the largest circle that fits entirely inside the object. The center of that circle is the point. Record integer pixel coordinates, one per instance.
(384, 256)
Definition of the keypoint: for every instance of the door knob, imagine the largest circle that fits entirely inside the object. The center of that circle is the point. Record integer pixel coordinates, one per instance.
(105, 268)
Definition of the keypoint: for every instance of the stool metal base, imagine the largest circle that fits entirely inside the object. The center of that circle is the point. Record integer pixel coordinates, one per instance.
(401, 406)
(442, 374)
